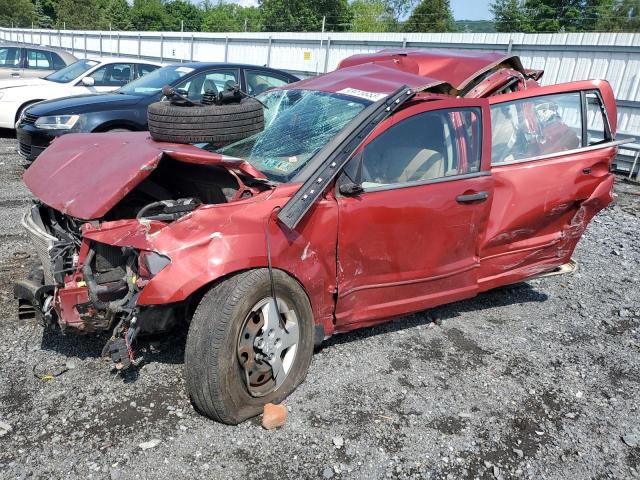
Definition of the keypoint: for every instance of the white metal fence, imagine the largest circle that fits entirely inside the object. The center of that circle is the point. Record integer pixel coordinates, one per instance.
(564, 56)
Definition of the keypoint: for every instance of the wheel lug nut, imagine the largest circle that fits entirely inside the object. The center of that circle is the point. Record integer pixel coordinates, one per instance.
(271, 333)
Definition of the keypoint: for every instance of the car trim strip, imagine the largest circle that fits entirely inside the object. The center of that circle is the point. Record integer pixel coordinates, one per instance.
(612, 144)
(418, 183)
(412, 281)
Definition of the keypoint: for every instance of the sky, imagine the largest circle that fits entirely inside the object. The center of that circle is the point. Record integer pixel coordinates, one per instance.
(471, 9)
(462, 9)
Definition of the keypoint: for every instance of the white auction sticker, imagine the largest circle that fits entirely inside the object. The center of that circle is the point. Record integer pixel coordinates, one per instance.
(354, 92)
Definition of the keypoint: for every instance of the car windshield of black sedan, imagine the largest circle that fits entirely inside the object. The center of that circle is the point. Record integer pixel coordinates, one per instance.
(153, 82)
(297, 124)
(71, 72)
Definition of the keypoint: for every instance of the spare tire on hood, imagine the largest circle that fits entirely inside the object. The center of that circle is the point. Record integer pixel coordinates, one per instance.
(205, 123)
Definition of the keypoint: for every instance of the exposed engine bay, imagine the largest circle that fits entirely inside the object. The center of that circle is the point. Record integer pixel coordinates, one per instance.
(85, 286)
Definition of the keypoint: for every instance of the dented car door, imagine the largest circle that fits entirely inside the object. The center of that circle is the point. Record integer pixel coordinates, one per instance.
(409, 239)
(552, 148)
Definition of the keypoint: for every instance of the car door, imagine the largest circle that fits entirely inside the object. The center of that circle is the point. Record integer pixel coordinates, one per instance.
(11, 62)
(38, 63)
(552, 148)
(409, 240)
(107, 78)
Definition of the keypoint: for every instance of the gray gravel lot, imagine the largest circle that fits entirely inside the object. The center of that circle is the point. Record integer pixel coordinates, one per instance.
(537, 380)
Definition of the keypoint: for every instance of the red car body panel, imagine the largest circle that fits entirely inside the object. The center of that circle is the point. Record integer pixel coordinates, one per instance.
(88, 173)
(456, 67)
(362, 259)
(383, 77)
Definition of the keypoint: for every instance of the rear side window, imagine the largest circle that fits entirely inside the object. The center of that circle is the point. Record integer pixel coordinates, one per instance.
(9, 57)
(423, 147)
(258, 82)
(38, 60)
(535, 126)
(597, 124)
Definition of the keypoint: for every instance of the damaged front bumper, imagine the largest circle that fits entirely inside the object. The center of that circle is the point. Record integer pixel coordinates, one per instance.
(86, 286)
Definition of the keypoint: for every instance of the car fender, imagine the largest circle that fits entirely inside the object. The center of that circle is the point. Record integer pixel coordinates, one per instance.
(215, 241)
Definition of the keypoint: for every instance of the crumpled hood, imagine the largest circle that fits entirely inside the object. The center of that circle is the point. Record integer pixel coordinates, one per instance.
(85, 175)
(24, 82)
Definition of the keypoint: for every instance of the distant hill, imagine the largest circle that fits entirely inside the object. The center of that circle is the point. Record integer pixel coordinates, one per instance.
(475, 26)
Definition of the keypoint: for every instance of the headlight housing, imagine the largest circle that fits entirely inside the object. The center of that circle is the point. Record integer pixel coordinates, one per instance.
(57, 122)
(151, 263)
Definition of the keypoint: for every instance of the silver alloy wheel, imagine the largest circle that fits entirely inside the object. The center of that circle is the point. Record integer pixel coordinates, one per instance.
(267, 345)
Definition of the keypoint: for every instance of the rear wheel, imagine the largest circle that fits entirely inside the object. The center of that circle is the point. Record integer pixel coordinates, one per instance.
(242, 351)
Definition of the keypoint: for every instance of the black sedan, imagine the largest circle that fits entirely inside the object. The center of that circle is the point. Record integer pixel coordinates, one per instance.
(126, 108)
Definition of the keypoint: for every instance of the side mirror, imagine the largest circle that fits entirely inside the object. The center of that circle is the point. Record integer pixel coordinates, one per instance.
(88, 81)
(350, 182)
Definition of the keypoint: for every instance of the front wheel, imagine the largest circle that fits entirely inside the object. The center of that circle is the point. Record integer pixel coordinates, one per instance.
(244, 350)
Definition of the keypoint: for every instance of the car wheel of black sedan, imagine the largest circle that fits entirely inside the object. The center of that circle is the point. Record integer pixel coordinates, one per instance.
(242, 350)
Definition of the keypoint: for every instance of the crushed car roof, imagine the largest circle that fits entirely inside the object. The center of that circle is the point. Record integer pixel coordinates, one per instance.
(359, 80)
(456, 67)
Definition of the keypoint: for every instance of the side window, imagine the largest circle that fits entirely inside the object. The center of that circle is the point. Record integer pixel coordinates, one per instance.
(536, 126)
(9, 57)
(597, 123)
(58, 63)
(425, 146)
(38, 60)
(258, 82)
(144, 68)
(215, 81)
(112, 75)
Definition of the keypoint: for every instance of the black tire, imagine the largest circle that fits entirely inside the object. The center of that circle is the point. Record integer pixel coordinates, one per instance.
(214, 376)
(207, 123)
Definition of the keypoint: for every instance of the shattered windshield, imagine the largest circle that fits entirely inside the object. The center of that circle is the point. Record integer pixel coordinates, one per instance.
(297, 124)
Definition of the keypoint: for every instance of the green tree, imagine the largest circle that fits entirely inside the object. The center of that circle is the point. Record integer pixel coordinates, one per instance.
(42, 20)
(78, 14)
(553, 15)
(182, 11)
(372, 16)
(231, 17)
(304, 15)
(116, 14)
(289, 15)
(17, 12)
(337, 14)
(431, 16)
(149, 15)
(617, 16)
(508, 15)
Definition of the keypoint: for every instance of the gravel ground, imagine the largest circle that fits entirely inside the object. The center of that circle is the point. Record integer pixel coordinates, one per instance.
(537, 380)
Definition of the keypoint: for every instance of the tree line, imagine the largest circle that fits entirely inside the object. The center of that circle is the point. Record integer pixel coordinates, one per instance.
(310, 15)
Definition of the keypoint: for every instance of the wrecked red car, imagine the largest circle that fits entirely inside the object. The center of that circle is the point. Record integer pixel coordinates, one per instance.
(401, 181)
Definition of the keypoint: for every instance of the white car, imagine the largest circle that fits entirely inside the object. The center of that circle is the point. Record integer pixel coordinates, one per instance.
(82, 77)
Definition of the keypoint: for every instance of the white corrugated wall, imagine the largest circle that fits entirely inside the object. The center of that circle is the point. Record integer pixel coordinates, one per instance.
(564, 56)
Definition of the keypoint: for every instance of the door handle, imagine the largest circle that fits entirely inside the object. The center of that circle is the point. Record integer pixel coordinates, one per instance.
(586, 171)
(473, 197)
